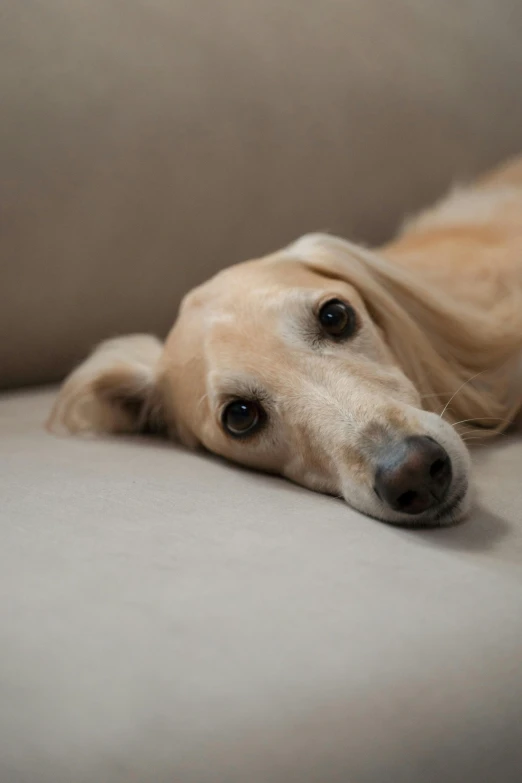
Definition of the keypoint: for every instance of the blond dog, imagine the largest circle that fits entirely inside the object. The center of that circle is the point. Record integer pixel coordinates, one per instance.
(348, 371)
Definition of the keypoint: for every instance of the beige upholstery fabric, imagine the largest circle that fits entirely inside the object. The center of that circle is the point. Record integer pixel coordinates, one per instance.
(145, 144)
(169, 618)
(166, 617)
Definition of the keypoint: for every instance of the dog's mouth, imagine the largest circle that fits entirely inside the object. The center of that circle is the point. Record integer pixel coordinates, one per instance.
(451, 511)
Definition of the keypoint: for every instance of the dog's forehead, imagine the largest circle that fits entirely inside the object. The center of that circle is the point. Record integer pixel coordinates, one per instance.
(221, 301)
(241, 304)
(231, 287)
(227, 325)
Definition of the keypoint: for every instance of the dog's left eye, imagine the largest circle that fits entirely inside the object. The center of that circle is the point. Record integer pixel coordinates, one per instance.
(338, 319)
(242, 417)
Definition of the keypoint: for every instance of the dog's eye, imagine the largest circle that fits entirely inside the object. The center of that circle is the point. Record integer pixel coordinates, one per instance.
(338, 319)
(242, 417)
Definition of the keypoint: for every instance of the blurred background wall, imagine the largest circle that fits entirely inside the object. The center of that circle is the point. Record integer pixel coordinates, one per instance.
(144, 144)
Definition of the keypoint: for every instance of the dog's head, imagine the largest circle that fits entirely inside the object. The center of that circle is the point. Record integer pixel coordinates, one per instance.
(303, 364)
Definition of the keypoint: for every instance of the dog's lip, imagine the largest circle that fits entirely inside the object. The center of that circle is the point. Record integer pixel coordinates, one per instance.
(448, 509)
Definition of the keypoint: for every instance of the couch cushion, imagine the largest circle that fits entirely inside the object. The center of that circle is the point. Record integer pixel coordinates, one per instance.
(146, 144)
(167, 617)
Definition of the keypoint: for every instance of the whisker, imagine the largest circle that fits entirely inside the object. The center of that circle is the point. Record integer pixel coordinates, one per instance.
(458, 390)
(202, 400)
(437, 394)
(479, 436)
(479, 418)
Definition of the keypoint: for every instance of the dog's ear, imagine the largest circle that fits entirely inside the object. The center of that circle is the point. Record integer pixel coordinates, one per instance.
(115, 390)
(440, 343)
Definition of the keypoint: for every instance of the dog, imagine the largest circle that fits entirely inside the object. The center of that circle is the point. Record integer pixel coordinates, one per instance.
(349, 371)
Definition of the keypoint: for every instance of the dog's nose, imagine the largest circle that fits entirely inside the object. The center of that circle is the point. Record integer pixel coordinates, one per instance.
(413, 475)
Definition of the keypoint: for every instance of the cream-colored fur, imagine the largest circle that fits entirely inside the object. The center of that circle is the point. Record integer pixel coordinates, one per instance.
(438, 347)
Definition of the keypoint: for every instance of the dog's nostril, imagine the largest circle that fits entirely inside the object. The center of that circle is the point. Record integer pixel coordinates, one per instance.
(407, 498)
(437, 468)
(413, 475)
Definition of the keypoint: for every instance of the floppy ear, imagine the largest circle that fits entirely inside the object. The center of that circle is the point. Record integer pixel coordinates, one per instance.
(114, 390)
(441, 344)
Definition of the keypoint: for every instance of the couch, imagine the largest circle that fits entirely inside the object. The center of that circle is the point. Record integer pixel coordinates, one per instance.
(168, 617)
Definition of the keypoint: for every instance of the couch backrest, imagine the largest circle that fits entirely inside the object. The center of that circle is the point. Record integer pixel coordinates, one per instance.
(146, 144)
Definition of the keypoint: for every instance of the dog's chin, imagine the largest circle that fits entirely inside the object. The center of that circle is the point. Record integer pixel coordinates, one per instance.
(454, 509)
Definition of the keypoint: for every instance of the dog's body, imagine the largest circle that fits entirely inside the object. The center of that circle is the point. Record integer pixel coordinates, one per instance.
(330, 364)
(470, 244)
(470, 247)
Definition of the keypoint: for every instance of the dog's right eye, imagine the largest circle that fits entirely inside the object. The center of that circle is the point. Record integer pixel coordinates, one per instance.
(242, 417)
(338, 319)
